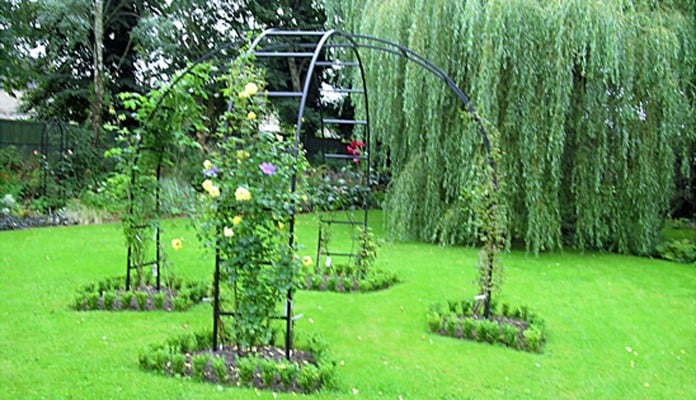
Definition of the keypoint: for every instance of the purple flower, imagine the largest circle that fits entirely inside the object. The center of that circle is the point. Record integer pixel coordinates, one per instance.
(268, 168)
(211, 173)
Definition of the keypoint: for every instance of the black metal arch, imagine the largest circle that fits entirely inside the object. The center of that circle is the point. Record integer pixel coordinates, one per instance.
(331, 39)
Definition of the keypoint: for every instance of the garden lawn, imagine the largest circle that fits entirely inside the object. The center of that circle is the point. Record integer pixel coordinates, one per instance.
(619, 327)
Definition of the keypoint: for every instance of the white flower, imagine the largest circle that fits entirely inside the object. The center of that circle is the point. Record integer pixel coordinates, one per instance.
(227, 232)
(328, 261)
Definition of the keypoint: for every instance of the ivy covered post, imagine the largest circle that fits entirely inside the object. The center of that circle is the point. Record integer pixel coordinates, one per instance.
(248, 217)
(156, 121)
(491, 217)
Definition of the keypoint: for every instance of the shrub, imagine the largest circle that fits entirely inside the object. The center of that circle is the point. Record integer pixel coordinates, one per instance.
(158, 300)
(288, 373)
(468, 328)
(199, 366)
(178, 364)
(435, 322)
(93, 301)
(220, 369)
(678, 250)
(141, 298)
(267, 370)
(332, 283)
(108, 300)
(508, 335)
(246, 367)
(127, 300)
(534, 338)
(488, 331)
(451, 324)
(309, 379)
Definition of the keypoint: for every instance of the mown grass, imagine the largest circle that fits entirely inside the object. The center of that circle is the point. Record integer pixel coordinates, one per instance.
(595, 307)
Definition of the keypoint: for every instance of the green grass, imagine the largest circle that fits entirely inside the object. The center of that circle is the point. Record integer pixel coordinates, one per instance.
(595, 306)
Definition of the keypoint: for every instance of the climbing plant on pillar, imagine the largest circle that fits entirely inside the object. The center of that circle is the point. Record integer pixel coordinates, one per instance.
(247, 208)
(156, 122)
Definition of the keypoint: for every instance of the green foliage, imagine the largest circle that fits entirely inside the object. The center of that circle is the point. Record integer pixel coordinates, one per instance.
(594, 114)
(683, 251)
(63, 30)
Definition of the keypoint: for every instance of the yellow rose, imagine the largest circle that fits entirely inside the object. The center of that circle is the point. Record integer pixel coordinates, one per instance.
(242, 194)
(207, 184)
(237, 220)
(251, 116)
(227, 232)
(306, 261)
(177, 244)
(207, 164)
(242, 155)
(251, 88)
(214, 191)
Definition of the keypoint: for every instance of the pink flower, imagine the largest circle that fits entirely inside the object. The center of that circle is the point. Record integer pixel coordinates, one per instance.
(268, 168)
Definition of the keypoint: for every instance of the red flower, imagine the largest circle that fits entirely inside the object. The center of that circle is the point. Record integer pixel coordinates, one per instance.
(354, 149)
(357, 144)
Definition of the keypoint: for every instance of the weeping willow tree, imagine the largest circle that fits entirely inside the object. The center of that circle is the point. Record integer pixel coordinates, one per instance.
(593, 101)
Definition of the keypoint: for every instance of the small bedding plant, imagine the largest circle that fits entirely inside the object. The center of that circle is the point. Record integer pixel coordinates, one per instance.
(189, 356)
(515, 327)
(110, 294)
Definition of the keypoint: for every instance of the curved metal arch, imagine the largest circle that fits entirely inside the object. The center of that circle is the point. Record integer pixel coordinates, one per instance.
(360, 41)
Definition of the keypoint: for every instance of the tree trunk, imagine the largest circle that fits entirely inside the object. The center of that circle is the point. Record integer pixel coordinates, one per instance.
(98, 53)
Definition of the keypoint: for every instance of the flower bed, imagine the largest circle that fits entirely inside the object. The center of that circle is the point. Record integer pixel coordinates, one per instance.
(190, 356)
(514, 327)
(110, 294)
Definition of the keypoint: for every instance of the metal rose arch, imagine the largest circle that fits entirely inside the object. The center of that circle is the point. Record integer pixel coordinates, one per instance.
(312, 53)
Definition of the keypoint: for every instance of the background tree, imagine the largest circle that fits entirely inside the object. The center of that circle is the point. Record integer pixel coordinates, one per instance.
(63, 76)
(183, 31)
(12, 41)
(593, 101)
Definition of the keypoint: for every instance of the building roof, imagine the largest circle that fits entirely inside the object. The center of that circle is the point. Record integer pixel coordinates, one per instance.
(9, 107)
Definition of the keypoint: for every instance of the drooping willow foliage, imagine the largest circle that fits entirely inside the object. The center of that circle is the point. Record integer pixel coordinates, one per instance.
(594, 102)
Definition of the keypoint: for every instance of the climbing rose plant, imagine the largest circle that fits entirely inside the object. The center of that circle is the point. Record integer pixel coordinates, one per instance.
(246, 209)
